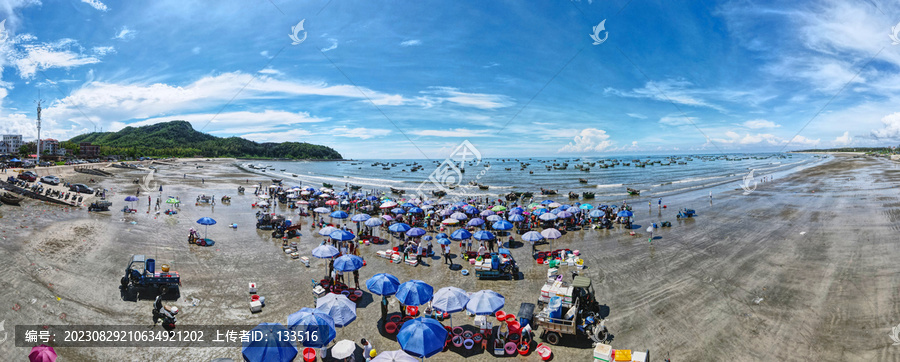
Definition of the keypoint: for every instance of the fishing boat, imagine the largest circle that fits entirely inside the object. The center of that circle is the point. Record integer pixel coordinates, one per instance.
(9, 199)
(276, 180)
(573, 195)
(547, 191)
(439, 193)
(584, 181)
(633, 192)
(527, 194)
(397, 191)
(330, 186)
(355, 187)
(587, 195)
(483, 187)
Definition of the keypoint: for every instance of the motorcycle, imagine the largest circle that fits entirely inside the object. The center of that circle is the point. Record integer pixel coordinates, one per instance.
(165, 314)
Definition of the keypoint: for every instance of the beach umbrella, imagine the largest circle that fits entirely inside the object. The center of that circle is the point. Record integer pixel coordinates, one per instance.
(450, 222)
(540, 211)
(485, 302)
(471, 210)
(322, 210)
(517, 210)
(476, 222)
(415, 210)
(426, 206)
(414, 292)
(373, 222)
(325, 251)
(348, 263)
(331, 202)
(387, 217)
(546, 202)
(445, 212)
(422, 337)
(483, 235)
(407, 204)
(388, 205)
(532, 236)
(502, 225)
(427, 237)
(340, 214)
(443, 241)
(360, 217)
(302, 202)
(345, 202)
(461, 234)
(372, 198)
(263, 197)
(441, 235)
(383, 284)
(326, 231)
(342, 235)
(398, 210)
(498, 208)
(516, 218)
(625, 213)
(548, 217)
(415, 232)
(551, 233)
(458, 216)
(269, 348)
(494, 218)
(597, 213)
(564, 214)
(394, 356)
(304, 193)
(343, 349)
(564, 207)
(206, 222)
(262, 203)
(450, 299)
(586, 206)
(486, 213)
(131, 198)
(314, 322)
(339, 307)
(399, 227)
(42, 353)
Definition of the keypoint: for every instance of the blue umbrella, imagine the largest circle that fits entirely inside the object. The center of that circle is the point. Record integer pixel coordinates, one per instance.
(414, 232)
(460, 234)
(548, 216)
(483, 235)
(340, 214)
(422, 337)
(132, 198)
(427, 237)
(348, 263)
(325, 252)
(516, 217)
(586, 206)
(360, 217)
(484, 302)
(344, 193)
(486, 213)
(476, 222)
(551, 233)
(471, 210)
(314, 322)
(564, 207)
(516, 210)
(458, 216)
(494, 218)
(564, 214)
(597, 213)
(450, 300)
(502, 225)
(206, 222)
(372, 198)
(339, 307)
(342, 235)
(625, 213)
(540, 211)
(267, 346)
(556, 211)
(399, 227)
(414, 292)
(460, 203)
(326, 231)
(374, 222)
(532, 236)
(441, 235)
(397, 210)
(443, 241)
(415, 210)
(383, 284)
(321, 210)
(546, 202)
(407, 204)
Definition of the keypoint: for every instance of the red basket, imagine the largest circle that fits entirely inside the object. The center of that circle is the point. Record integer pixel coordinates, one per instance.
(501, 315)
(395, 318)
(309, 354)
(390, 328)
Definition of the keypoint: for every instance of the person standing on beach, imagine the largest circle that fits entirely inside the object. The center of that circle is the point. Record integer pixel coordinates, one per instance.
(659, 203)
(384, 309)
(446, 250)
(356, 278)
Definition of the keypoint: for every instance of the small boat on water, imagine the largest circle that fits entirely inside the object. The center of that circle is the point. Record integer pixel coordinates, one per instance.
(330, 186)
(483, 187)
(439, 193)
(355, 187)
(587, 195)
(276, 180)
(584, 181)
(633, 192)
(397, 191)
(547, 191)
(293, 175)
(8, 199)
(573, 195)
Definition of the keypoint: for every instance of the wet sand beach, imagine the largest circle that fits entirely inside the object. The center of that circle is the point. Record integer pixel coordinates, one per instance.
(803, 268)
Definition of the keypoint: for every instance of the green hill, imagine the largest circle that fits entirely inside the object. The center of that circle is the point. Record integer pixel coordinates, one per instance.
(179, 139)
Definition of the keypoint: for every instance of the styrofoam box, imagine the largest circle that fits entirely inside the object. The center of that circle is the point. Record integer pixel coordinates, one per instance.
(256, 306)
(603, 352)
(639, 357)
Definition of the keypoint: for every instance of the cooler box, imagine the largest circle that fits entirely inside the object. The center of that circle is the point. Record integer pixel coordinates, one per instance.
(255, 306)
(639, 357)
(545, 291)
(552, 272)
(603, 352)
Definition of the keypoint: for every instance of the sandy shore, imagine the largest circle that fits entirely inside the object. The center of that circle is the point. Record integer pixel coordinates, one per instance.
(801, 269)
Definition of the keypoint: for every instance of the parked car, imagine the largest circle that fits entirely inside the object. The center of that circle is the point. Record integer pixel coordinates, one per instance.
(28, 176)
(81, 188)
(50, 179)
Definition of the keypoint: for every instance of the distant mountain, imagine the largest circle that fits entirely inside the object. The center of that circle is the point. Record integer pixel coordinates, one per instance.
(179, 139)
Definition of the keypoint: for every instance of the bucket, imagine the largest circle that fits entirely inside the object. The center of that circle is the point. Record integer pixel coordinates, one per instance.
(457, 331)
(390, 328)
(150, 265)
(510, 348)
(457, 341)
(309, 354)
(254, 298)
(540, 261)
(469, 343)
(468, 334)
(510, 317)
(395, 318)
(477, 337)
(164, 268)
(501, 316)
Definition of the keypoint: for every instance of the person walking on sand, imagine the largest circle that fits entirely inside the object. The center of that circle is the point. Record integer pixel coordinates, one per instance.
(384, 309)
(659, 203)
(367, 349)
(356, 278)
(650, 230)
(446, 250)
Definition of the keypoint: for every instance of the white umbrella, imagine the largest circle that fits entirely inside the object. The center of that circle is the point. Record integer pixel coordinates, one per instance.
(264, 197)
(394, 356)
(263, 203)
(343, 349)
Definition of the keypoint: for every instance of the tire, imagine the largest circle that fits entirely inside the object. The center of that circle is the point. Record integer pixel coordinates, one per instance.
(124, 281)
(552, 338)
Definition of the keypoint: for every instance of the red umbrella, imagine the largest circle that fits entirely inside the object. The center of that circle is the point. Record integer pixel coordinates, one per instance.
(42, 353)
(331, 202)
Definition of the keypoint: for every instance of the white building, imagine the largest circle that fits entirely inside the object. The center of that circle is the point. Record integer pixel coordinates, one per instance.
(50, 146)
(10, 143)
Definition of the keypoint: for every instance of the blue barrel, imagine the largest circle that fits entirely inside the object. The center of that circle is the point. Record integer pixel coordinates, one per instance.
(150, 266)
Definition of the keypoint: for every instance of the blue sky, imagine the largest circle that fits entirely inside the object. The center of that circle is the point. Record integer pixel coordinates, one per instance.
(414, 79)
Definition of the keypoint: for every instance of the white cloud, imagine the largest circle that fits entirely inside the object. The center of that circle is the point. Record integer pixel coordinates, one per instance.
(125, 34)
(677, 120)
(891, 129)
(359, 132)
(843, 140)
(410, 43)
(270, 71)
(37, 57)
(238, 119)
(676, 91)
(333, 46)
(454, 95)
(291, 135)
(196, 50)
(458, 132)
(760, 123)
(265, 53)
(747, 139)
(636, 115)
(800, 140)
(589, 139)
(96, 4)
(101, 51)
